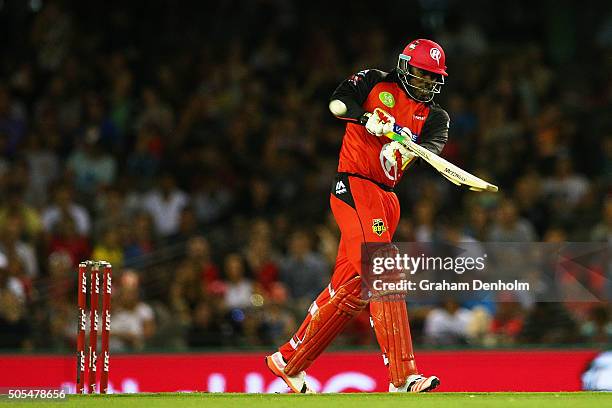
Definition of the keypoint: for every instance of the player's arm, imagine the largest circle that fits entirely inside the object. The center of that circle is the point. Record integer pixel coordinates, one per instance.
(434, 134)
(346, 102)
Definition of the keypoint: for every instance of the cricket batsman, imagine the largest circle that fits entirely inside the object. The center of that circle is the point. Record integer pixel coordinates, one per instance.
(367, 210)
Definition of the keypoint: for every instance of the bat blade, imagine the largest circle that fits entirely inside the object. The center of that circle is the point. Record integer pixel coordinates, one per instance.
(453, 173)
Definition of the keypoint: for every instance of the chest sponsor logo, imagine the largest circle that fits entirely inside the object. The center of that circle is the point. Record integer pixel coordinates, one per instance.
(378, 226)
(418, 117)
(387, 99)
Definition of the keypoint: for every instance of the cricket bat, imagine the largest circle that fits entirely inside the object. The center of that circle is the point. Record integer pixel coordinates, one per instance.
(453, 173)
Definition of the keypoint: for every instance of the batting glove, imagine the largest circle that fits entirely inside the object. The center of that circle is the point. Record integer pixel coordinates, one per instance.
(389, 153)
(380, 123)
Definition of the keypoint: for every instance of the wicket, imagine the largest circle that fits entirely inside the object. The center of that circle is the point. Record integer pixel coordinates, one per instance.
(94, 269)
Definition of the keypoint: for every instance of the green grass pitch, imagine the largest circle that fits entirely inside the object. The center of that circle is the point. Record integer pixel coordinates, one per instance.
(366, 400)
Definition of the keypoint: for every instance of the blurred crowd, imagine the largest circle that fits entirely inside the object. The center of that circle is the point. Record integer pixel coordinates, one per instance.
(191, 147)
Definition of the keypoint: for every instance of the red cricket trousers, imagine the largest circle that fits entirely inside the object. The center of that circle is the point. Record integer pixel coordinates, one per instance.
(365, 212)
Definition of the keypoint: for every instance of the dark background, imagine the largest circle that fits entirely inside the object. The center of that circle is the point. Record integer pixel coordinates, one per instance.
(189, 143)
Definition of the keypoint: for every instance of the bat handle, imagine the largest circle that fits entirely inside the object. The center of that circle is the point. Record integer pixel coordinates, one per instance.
(397, 129)
(395, 136)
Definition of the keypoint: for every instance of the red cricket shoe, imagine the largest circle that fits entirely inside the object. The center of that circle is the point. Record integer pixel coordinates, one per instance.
(297, 383)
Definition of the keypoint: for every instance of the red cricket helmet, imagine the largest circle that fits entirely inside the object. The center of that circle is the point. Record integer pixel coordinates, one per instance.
(425, 55)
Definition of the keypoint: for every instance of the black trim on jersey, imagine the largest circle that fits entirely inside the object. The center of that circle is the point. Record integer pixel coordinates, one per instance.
(346, 196)
(380, 185)
(434, 133)
(354, 91)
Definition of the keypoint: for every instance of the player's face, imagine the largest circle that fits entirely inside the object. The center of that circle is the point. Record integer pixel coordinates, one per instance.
(420, 84)
(423, 82)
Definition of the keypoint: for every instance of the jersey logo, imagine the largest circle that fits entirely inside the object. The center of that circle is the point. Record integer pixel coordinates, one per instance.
(418, 117)
(378, 226)
(389, 168)
(340, 187)
(387, 99)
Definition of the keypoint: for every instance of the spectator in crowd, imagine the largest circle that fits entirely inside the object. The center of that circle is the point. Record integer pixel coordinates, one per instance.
(565, 186)
(64, 206)
(238, 288)
(52, 33)
(405, 230)
(15, 329)
(598, 326)
(188, 226)
(187, 291)
(133, 319)
(11, 243)
(212, 198)
(530, 201)
(44, 168)
(57, 291)
(12, 124)
(121, 103)
(109, 248)
(199, 255)
(447, 324)
(10, 283)
(15, 206)
(302, 270)
(65, 237)
(15, 268)
(260, 200)
(91, 167)
(424, 216)
(509, 227)
(507, 323)
(328, 235)
(155, 113)
(538, 329)
(260, 259)
(110, 210)
(139, 239)
(277, 321)
(165, 204)
(197, 279)
(478, 222)
(206, 329)
(144, 161)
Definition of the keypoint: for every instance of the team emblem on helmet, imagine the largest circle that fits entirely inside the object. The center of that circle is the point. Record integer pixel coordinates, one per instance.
(378, 226)
(387, 99)
(435, 54)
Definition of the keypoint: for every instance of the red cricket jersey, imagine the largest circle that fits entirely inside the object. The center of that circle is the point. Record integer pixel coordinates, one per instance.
(361, 152)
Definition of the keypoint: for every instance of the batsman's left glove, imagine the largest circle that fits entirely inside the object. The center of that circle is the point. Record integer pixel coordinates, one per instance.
(380, 123)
